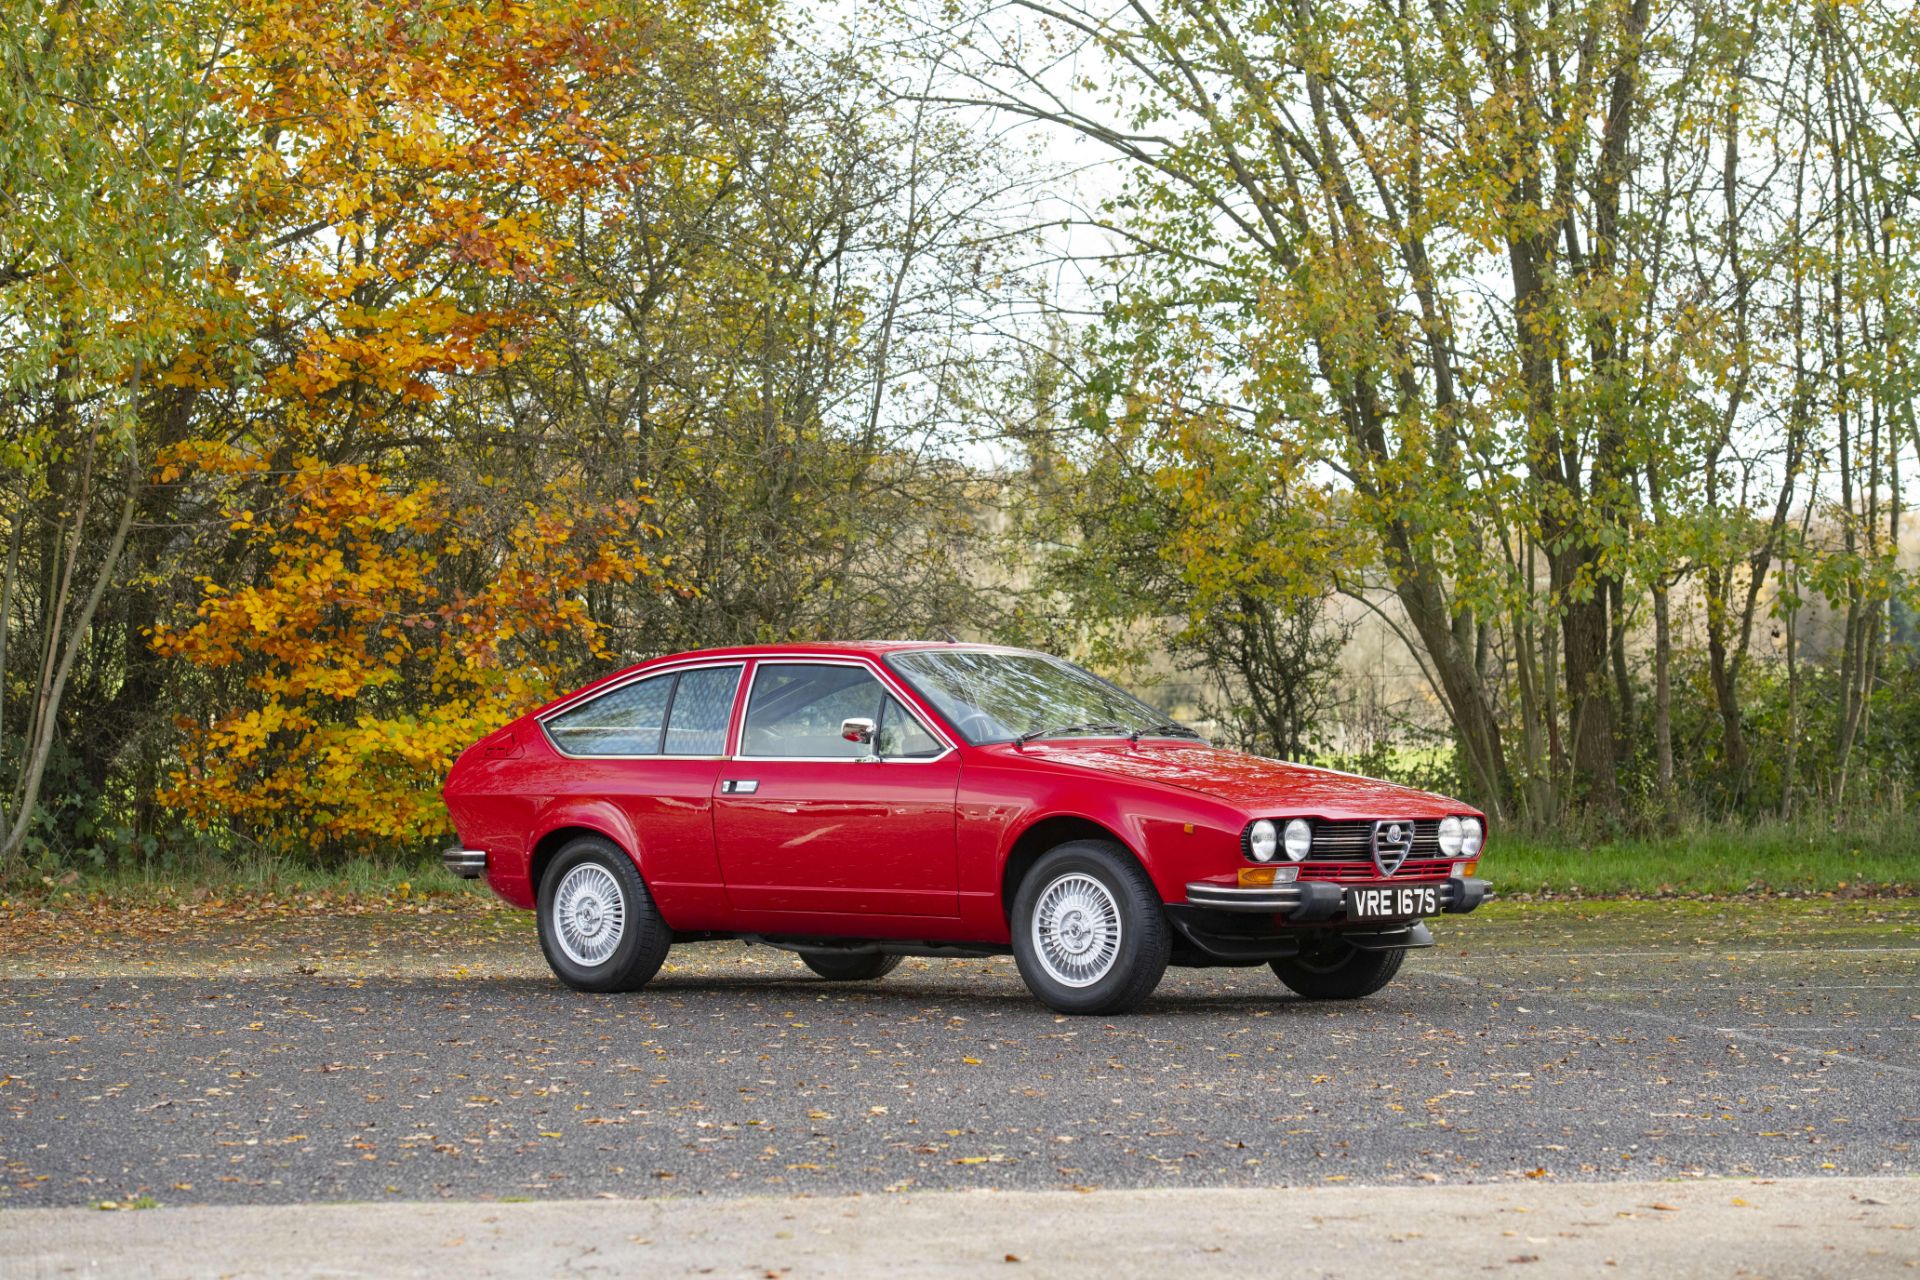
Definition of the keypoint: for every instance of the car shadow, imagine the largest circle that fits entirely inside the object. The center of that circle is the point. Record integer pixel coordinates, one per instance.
(1001, 995)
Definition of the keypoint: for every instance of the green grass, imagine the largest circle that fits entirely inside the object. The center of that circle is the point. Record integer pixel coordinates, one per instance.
(1715, 861)
(261, 876)
(1709, 860)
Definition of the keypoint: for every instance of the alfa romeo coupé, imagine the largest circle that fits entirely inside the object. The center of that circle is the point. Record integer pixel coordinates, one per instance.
(856, 803)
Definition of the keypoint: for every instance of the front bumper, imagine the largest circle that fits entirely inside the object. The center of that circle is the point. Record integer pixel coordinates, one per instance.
(468, 864)
(1312, 901)
(1226, 925)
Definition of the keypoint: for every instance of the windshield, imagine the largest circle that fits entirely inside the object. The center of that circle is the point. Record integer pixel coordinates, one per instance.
(1000, 697)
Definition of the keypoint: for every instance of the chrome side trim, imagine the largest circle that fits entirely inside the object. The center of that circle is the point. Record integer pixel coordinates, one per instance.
(468, 864)
(574, 699)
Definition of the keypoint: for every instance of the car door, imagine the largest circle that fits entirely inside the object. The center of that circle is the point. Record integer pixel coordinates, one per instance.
(806, 821)
(654, 747)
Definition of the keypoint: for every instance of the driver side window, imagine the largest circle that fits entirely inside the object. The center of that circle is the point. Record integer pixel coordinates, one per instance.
(900, 735)
(796, 709)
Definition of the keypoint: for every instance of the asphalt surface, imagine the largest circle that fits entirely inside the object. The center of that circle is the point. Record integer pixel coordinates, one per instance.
(381, 1061)
(1779, 1228)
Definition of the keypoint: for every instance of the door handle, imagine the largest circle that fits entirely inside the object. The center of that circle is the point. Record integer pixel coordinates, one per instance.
(739, 786)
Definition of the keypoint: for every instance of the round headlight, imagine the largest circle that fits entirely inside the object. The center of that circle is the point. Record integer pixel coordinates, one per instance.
(1299, 839)
(1263, 842)
(1471, 836)
(1450, 837)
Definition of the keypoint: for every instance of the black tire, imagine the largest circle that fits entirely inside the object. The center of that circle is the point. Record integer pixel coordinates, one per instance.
(644, 937)
(1338, 970)
(861, 967)
(1143, 946)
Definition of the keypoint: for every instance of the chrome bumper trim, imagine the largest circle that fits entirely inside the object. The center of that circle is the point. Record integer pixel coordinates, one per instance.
(1266, 900)
(468, 864)
(1310, 900)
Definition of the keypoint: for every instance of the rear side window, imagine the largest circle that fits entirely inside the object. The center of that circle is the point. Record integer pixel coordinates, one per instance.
(626, 722)
(702, 706)
(680, 714)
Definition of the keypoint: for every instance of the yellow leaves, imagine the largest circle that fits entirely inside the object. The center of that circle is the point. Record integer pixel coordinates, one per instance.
(212, 456)
(368, 668)
(368, 152)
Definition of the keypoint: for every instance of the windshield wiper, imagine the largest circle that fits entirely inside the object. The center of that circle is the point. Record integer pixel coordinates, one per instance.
(1098, 726)
(1172, 728)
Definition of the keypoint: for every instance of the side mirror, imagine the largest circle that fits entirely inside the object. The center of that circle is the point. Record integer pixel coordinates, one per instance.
(857, 729)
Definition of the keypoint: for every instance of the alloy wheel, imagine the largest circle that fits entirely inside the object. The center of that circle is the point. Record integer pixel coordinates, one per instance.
(1076, 929)
(589, 914)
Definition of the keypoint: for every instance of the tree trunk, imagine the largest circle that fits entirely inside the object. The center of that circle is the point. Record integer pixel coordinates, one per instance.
(1622, 681)
(1475, 726)
(6, 624)
(1663, 694)
(1723, 673)
(46, 727)
(1583, 624)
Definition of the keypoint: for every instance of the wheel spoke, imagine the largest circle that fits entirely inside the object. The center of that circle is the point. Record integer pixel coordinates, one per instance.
(1076, 929)
(589, 914)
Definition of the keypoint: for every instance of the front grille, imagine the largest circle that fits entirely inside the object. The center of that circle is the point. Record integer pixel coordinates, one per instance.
(1359, 872)
(1353, 842)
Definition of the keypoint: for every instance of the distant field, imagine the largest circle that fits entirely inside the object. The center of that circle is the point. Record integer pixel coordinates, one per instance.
(1713, 861)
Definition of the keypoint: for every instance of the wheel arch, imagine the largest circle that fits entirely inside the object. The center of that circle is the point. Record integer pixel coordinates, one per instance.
(1046, 833)
(570, 826)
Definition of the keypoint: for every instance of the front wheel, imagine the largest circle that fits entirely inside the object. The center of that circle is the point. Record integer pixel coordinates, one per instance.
(1089, 933)
(1338, 970)
(598, 925)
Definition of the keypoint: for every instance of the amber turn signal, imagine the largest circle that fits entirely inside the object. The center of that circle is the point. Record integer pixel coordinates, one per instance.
(1266, 877)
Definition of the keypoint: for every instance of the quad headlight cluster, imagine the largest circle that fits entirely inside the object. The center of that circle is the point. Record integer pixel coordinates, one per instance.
(1461, 837)
(1266, 841)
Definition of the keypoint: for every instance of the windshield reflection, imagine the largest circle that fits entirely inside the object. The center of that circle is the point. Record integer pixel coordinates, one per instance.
(992, 696)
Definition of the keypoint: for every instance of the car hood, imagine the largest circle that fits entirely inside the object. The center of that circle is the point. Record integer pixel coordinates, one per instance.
(1253, 783)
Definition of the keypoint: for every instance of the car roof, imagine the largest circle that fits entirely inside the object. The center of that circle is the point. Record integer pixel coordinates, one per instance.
(826, 648)
(797, 649)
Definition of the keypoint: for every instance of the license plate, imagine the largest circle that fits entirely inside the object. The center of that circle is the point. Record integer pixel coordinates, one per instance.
(1396, 902)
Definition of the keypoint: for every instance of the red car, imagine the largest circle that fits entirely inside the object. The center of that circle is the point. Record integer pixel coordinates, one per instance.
(856, 803)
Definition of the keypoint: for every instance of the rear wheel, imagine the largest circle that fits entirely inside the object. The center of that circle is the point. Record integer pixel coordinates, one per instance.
(1089, 933)
(1337, 970)
(860, 967)
(598, 925)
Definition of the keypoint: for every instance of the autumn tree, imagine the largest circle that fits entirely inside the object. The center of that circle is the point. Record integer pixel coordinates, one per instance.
(368, 668)
(107, 275)
(1553, 299)
(501, 272)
